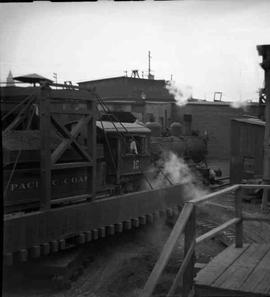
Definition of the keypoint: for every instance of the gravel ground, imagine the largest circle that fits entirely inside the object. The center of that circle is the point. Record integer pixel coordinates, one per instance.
(121, 264)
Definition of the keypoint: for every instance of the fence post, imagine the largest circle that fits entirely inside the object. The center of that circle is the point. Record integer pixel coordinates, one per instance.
(238, 214)
(190, 234)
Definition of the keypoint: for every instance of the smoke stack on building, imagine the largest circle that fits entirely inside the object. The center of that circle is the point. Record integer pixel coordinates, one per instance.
(264, 51)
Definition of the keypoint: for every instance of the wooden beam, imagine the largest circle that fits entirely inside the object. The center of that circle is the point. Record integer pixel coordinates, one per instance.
(91, 130)
(23, 255)
(190, 234)
(102, 232)
(45, 248)
(69, 199)
(17, 106)
(20, 116)
(167, 250)
(215, 194)
(119, 227)
(8, 259)
(111, 230)
(256, 218)
(215, 231)
(179, 276)
(95, 234)
(70, 139)
(239, 224)
(252, 186)
(72, 111)
(88, 236)
(45, 153)
(71, 165)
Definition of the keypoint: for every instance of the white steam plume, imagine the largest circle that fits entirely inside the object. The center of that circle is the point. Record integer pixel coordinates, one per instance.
(240, 103)
(173, 170)
(180, 92)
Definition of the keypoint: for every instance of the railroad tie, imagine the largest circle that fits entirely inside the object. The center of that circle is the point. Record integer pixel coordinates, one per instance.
(162, 212)
(111, 230)
(62, 244)
(23, 255)
(54, 246)
(8, 259)
(88, 236)
(142, 220)
(95, 234)
(150, 218)
(81, 238)
(119, 227)
(135, 223)
(127, 225)
(102, 232)
(156, 215)
(35, 251)
(45, 248)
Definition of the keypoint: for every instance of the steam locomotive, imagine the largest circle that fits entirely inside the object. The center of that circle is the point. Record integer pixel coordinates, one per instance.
(68, 177)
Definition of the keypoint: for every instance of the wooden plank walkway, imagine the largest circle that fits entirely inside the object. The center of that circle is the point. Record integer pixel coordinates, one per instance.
(237, 272)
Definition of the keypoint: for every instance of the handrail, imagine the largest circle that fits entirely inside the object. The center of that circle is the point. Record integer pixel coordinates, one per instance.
(213, 232)
(180, 225)
(179, 275)
(214, 195)
(168, 248)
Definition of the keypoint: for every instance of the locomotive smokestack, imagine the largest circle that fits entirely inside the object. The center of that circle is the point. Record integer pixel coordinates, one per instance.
(264, 51)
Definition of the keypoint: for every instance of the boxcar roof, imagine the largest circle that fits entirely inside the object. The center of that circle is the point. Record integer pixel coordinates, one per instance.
(252, 121)
(122, 127)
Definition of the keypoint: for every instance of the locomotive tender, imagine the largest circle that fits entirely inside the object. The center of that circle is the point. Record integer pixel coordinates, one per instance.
(65, 172)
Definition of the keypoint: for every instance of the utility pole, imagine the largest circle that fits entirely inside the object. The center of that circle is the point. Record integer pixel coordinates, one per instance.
(149, 65)
(55, 77)
(264, 51)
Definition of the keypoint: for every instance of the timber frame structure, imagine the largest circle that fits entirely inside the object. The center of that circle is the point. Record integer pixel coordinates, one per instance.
(61, 222)
(55, 107)
(68, 100)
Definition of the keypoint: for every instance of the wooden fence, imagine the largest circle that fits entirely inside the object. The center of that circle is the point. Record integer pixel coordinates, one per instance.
(186, 225)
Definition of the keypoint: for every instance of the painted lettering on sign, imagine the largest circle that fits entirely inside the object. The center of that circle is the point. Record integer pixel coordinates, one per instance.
(34, 184)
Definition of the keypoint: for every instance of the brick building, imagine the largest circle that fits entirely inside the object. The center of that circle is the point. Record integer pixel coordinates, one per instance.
(146, 99)
(215, 118)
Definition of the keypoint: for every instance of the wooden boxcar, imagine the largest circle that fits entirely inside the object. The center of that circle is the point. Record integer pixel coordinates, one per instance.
(247, 137)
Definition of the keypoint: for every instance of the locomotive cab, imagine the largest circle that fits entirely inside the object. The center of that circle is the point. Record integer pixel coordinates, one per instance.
(124, 163)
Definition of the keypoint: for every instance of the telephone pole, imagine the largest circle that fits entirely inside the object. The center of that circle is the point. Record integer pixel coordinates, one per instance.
(149, 65)
(55, 77)
(264, 51)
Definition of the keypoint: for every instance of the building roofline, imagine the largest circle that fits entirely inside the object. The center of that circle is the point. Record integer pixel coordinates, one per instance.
(217, 103)
(121, 77)
(250, 120)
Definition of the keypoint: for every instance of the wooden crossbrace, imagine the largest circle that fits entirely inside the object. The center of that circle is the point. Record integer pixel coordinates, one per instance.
(70, 139)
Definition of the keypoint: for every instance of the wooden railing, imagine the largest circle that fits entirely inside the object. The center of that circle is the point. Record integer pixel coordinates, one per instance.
(185, 224)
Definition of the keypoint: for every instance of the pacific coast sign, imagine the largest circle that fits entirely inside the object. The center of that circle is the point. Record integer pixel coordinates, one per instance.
(34, 184)
(25, 187)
